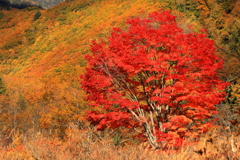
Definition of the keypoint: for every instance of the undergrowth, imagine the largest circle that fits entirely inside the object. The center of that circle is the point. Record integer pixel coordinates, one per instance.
(88, 144)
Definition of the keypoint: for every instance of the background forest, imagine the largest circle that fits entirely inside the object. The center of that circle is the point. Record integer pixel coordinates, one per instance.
(42, 106)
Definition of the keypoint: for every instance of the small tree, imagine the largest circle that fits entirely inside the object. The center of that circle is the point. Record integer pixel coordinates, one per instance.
(37, 15)
(155, 79)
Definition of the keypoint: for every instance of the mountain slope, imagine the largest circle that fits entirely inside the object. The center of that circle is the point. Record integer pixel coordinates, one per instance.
(41, 59)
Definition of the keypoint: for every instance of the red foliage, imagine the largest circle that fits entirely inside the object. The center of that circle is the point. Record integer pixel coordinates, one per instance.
(156, 78)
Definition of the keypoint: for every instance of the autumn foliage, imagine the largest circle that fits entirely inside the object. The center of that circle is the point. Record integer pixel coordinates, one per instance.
(156, 79)
(40, 95)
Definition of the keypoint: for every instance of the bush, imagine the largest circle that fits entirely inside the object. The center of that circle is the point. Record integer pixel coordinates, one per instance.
(37, 15)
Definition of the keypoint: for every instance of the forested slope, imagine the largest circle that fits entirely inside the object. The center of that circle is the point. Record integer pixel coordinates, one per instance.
(42, 54)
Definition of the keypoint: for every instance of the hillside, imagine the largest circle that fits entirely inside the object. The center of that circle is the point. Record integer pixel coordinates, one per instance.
(42, 54)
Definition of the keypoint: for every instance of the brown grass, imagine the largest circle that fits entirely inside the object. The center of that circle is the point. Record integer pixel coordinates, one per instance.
(85, 145)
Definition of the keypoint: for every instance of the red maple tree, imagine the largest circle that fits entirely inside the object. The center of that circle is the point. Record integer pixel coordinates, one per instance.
(154, 78)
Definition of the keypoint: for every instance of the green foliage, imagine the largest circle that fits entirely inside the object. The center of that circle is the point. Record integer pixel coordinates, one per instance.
(1, 15)
(83, 5)
(37, 15)
(33, 8)
(22, 104)
(234, 40)
(15, 41)
(58, 69)
(226, 4)
(2, 87)
(62, 19)
(74, 30)
(68, 69)
(117, 139)
(30, 35)
(82, 63)
(189, 7)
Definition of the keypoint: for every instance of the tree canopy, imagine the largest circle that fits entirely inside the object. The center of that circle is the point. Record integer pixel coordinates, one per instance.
(156, 79)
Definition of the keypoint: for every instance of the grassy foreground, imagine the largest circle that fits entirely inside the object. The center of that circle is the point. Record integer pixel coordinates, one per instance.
(90, 145)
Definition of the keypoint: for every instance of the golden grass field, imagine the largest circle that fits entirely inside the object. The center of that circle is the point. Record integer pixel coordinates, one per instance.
(90, 145)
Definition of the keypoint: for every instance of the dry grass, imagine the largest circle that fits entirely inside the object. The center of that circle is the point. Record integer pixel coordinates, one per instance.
(85, 145)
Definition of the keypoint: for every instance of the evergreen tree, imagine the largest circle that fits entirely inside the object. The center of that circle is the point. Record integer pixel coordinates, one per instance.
(37, 15)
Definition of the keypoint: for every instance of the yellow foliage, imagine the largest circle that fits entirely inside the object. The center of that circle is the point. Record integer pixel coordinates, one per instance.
(46, 72)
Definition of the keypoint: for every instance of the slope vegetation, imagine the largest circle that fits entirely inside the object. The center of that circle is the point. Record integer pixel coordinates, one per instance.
(41, 57)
